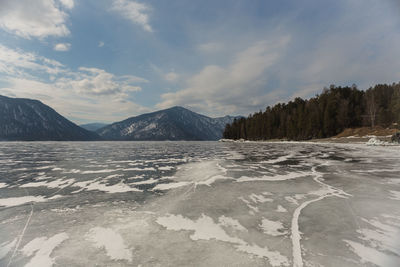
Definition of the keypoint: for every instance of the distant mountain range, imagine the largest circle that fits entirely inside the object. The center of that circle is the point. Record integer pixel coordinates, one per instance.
(31, 120)
(93, 126)
(175, 123)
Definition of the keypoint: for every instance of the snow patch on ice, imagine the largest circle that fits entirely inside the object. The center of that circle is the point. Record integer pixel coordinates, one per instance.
(96, 185)
(274, 257)
(279, 177)
(15, 201)
(111, 241)
(280, 209)
(197, 173)
(98, 171)
(166, 168)
(274, 228)
(42, 247)
(260, 198)
(58, 183)
(170, 186)
(204, 228)
(139, 169)
(279, 159)
(376, 142)
(148, 181)
(113, 176)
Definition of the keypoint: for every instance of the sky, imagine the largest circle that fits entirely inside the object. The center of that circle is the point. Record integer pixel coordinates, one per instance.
(107, 60)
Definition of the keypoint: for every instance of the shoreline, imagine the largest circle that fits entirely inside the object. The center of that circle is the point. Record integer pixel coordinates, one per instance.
(363, 140)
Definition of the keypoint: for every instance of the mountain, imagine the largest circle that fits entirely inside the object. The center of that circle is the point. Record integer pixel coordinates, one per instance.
(93, 126)
(175, 123)
(31, 120)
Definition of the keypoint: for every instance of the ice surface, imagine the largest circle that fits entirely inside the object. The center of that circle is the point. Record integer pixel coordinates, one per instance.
(6, 247)
(370, 255)
(394, 194)
(199, 204)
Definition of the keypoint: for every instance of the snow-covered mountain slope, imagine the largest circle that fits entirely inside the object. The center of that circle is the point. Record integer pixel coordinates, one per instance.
(31, 120)
(175, 123)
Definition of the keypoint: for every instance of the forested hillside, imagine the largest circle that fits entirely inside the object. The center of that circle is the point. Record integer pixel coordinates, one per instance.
(324, 115)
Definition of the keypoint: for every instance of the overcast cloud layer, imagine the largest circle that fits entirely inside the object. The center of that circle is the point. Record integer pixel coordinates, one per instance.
(104, 61)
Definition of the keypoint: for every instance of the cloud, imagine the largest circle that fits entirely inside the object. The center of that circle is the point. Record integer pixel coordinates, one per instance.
(235, 88)
(93, 81)
(39, 19)
(101, 44)
(171, 76)
(67, 3)
(71, 103)
(81, 94)
(17, 62)
(354, 42)
(359, 46)
(211, 47)
(62, 47)
(134, 11)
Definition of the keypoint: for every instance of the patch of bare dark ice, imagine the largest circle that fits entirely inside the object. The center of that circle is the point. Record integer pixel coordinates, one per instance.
(198, 204)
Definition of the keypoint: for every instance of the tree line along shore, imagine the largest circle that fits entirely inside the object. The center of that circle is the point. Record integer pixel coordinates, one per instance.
(325, 115)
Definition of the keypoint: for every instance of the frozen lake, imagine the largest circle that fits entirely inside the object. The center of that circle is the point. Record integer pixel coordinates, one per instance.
(198, 204)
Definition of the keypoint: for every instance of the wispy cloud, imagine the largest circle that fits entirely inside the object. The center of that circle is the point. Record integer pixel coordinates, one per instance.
(171, 76)
(134, 11)
(62, 47)
(18, 62)
(101, 44)
(39, 19)
(231, 89)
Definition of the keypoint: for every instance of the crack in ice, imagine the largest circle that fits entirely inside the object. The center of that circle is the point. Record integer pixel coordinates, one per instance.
(295, 232)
